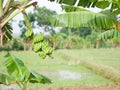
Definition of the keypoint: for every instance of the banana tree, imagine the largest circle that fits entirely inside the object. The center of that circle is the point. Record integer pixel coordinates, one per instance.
(8, 10)
(56, 40)
(18, 73)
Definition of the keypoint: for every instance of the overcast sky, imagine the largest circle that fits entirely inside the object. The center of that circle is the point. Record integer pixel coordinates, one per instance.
(41, 3)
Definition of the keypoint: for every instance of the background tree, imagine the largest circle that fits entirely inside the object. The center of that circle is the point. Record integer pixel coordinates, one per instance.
(40, 18)
(112, 36)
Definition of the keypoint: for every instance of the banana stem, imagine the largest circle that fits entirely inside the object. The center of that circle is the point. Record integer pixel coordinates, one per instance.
(4, 21)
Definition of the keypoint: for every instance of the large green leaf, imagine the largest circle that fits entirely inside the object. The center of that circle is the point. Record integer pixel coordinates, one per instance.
(19, 74)
(38, 78)
(5, 79)
(109, 35)
(16, 68)
(109, 13)
(114, 4)
(103, 4)
(69, 8)
(84, 19)
(70, 2)
(84, 3)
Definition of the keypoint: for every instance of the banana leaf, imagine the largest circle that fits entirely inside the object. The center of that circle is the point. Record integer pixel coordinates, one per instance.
(109, 35)
(38, 78)
(16, 68)
(113, 4)
(84, 19)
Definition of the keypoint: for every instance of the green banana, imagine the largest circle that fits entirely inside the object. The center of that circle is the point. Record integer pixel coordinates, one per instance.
(37, 47)
(42, 55)
(45, 43)
(38, 38)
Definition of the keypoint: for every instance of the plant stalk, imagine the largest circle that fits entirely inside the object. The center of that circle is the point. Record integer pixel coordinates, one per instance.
(24, 86)
(7, 6)
(1, 8)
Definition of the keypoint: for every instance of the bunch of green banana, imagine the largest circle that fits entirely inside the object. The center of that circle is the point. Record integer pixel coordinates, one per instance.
(41, 46)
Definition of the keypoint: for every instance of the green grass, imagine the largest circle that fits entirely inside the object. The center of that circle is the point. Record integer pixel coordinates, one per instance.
(70, 60)
(110, 56)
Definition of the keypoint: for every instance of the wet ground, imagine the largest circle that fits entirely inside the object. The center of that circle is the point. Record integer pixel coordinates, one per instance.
(105, 87)
(62, 74)
(66, 74)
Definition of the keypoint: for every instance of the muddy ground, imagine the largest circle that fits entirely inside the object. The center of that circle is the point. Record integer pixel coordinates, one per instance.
(105, 87)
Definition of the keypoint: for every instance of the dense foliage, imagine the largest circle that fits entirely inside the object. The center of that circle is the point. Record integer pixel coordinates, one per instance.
(77, 38)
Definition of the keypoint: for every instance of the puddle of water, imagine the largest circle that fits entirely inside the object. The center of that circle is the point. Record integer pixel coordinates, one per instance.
(9, 87)
(62, 74)
(65, 74)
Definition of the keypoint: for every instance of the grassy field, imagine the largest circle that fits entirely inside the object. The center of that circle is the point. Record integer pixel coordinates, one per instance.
(109, 57)
(66, 68)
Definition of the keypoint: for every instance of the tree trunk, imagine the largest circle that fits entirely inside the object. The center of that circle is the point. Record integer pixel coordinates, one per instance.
(1, 36)
(30, 48)
(24, 46)
(97, 43)
(54, 45)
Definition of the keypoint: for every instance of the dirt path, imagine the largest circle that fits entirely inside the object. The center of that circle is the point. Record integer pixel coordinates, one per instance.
(105, 87)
